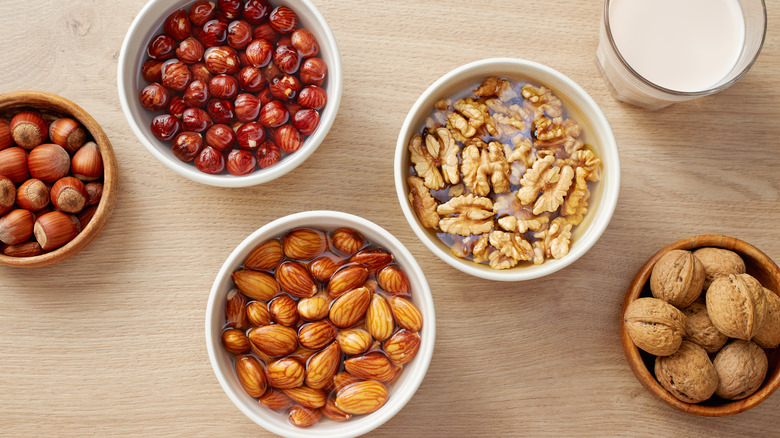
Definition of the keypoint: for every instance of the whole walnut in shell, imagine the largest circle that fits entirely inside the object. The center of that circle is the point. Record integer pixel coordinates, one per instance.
(687, 374)
(700, 330)
(741, 367)
(737, 305)
(719, 262)
(655, 326)
(677, 278)
(768, 335)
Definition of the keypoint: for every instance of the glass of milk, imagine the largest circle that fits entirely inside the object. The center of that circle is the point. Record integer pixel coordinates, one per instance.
(654, 53)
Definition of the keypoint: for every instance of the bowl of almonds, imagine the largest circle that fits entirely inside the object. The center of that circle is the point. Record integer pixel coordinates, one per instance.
(507, 170)
(320, 323)
(700, 325)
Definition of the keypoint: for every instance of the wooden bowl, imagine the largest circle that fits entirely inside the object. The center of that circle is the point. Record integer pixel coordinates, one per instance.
(760, 266)
(51, 104)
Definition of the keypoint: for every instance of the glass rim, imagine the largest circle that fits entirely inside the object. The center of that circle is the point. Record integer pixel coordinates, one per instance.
(657, 87)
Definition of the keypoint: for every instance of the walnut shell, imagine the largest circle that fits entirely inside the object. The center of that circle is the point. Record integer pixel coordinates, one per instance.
(677, 278)
(768, 335)
(737, 305)
(741, 367)
(699, 328)
(688, 374)
(655, 326)
(719, 262)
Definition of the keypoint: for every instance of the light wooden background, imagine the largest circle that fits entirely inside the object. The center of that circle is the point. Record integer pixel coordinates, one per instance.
(111, 342)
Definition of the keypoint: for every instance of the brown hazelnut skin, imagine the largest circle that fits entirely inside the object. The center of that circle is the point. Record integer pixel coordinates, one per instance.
(283, 19)
(306, 121)
(94, 192)
(222, 60)
(688, 374)
(67, 133)
(250, 135)
(161, 47)
(26, 249)
(221, 111)
(54, 229)
(214, 33)
(152, 70)
(268, 154)
(177, 25)
(202, 11)
(239, 34)
(195, 119)
(314, 71)
(223, 86)
(221, 137)
(288, 138)
(16, 226)
(13, 164)
(273, 114)
(187, 145)
(32, 195)
(266, 32)
(240, 162)
(190, 51)
(48, 162)
(741, 366)
(175, 75)
(286, 58)
(251, 79)
(165, 127)
(285, 88)
(305, 43)
(154, 97)
(28, 129)
(176, 107)
(255, 11)
(247, 107)
(313, 97)
(259, 53)
(210, 161)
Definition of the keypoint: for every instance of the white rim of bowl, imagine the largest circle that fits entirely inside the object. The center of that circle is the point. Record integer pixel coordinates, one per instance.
(602, 217)
(396, 402)
(125, 81)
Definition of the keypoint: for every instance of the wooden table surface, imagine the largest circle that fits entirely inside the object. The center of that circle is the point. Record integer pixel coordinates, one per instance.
(111, 341)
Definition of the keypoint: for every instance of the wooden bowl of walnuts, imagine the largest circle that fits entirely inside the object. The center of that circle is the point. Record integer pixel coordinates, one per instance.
(700, 325)
(58, 179)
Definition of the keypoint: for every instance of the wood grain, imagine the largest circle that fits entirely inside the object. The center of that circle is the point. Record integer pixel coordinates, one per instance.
(110, 342)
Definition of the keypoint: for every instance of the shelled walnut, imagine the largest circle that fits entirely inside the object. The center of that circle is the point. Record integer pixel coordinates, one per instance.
(511, 148)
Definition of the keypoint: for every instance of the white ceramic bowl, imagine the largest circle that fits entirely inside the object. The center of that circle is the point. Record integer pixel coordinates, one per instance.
(148, 23)
(579, 105)
(400, 392)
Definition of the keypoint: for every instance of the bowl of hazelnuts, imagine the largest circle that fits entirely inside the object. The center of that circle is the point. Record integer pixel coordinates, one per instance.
(230, 93)
(700, 325)
(58, 179)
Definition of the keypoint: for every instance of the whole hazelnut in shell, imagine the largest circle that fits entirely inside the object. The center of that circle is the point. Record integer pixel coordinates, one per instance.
(719, 262)
(741, 367)
(737, 305)
(688, 374)
(699, 328)
(768, 335)
(655, 326)
(677, 278)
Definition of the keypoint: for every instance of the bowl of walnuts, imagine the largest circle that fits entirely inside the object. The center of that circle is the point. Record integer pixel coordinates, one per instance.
(58, 179)
(230, 93)
(507, 170)
(320, 323)
(700, 325)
